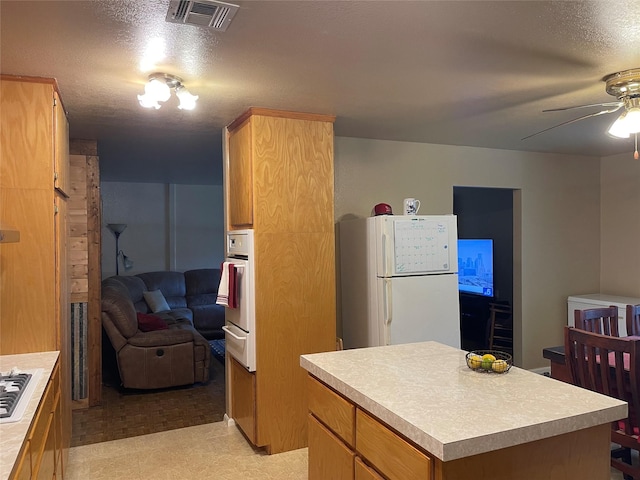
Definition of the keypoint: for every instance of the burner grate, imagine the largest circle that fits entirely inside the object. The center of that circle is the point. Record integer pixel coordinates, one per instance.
(11, 389)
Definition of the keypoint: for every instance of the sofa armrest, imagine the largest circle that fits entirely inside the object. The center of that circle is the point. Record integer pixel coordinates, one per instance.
(160, 338)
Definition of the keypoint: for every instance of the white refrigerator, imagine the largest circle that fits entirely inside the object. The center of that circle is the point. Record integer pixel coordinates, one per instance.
(399, 280)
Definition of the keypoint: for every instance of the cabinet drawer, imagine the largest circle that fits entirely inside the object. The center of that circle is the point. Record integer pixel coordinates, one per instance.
(47, 467)
(365, 473)
(334, 411)
(55, 379)
(23, 465)
(329, 457)
(390, 454)
(41, 424)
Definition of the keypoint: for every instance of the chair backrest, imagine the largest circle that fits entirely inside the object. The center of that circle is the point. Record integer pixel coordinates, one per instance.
(607, 365)
(598, 320)
(633, 320)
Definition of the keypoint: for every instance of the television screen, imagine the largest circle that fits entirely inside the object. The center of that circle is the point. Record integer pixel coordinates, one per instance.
(475, 266)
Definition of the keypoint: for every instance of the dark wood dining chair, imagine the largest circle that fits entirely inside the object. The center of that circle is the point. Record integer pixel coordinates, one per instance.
(610, 366)
(598, 320)
(633, 320)
(501, 327)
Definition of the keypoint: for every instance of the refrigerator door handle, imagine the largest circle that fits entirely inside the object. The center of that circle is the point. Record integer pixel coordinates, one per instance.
(386, 299)
(386, 257)
(388, 312)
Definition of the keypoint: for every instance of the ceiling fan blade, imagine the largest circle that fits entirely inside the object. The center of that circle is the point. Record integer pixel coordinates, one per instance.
(618, 107)
(606, 104)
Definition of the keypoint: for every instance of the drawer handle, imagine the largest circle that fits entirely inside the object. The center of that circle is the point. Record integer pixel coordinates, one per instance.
(228, 330)
(159, 352)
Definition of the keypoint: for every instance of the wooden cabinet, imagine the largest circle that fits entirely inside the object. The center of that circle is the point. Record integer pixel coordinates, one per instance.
(240, 198)
(391, 455)
(377, 451)
(23, 465)
(363, 472)
(244, 399)
(279, 182)
(34, 298)
(41, 454)
(61, 176)
(328, 456)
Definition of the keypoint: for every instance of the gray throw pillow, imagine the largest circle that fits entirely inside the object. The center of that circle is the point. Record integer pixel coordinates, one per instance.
(156, 301)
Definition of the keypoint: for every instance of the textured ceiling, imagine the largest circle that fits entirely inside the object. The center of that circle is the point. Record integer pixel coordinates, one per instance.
(475, 73)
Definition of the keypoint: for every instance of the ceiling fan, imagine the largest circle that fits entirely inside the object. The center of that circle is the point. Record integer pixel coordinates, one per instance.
(625, 86)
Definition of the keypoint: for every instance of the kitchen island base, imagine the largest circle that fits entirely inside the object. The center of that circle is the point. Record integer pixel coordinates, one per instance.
(582, 454)
(395, 413)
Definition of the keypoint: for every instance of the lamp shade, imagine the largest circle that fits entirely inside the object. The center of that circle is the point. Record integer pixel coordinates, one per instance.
(117, 227)
(158, 89)
(626, 124)
(187, 100)
(147, 101)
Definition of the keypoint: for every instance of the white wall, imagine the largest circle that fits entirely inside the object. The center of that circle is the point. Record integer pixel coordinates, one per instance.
(169, 227)
(560, 195)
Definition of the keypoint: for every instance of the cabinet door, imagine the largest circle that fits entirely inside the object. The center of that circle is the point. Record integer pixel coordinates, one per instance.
(23, 470)
(329, 458)
(333, 410)
(243, 399)
(364, 472)
(240, 194)
(47, 467)
(63, 318)
(390, 454)
(61, 147)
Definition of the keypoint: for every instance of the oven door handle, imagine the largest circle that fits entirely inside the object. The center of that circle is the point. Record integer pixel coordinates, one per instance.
(228, 330)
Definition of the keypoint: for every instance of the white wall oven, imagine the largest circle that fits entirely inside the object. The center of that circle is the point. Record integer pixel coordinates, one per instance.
(240, 322)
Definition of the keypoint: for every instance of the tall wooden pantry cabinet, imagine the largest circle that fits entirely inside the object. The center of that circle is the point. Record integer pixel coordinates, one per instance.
(279, 182)
(34, 186)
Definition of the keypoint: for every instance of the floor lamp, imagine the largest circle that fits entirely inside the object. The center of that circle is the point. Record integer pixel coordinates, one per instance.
(117, 229)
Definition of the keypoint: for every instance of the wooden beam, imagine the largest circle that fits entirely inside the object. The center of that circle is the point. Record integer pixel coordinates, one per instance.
(94, 334)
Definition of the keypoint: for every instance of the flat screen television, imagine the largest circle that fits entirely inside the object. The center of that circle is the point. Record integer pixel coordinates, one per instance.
(475, 266)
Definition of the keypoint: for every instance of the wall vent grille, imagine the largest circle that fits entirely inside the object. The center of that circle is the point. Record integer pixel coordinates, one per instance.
(202, 13)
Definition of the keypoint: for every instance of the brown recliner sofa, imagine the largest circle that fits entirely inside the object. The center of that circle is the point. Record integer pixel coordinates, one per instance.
(178, 355)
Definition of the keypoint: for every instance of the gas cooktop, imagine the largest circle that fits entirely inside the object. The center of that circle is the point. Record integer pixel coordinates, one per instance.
(16, 389)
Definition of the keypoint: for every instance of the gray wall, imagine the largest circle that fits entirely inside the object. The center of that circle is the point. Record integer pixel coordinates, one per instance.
(576, 225)
(170, 227)
(558, 196)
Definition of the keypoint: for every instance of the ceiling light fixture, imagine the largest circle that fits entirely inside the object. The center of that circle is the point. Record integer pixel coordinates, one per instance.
(626, 87)
(158, 89)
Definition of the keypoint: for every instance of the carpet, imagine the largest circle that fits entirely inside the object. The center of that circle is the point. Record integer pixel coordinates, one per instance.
(217, 349)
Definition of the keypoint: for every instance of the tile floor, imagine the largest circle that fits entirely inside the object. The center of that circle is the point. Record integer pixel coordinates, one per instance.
(211, 451)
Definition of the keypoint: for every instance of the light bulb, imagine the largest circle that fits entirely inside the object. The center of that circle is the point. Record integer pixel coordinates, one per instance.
(158, 89)
(187, 100)
(619, 127)
(633, 120)
(626, 124)
(147, 101)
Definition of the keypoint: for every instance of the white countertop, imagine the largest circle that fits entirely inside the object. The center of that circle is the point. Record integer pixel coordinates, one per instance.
(12, 435)
(426, 392)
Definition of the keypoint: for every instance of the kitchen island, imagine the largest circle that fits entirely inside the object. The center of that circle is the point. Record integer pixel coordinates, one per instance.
(417, 411)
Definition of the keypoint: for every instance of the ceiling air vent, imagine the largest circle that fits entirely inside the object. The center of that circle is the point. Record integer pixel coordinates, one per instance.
(203, 13)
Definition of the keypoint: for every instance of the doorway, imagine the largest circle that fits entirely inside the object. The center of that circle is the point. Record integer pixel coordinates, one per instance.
(486, 214)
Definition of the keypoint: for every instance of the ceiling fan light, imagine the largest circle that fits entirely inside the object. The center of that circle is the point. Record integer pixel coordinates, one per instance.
(619, 128)
(148, 101)
(633, 120)
(158, 89)
(187, 100)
